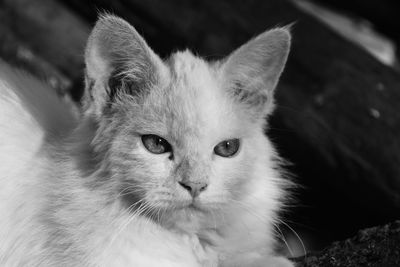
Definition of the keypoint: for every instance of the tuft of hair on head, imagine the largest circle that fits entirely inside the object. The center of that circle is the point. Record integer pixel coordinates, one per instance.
(118, 61)
(251, 72)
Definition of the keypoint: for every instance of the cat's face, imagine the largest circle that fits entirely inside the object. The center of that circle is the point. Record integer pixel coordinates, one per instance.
(182, 133)
(186, 143)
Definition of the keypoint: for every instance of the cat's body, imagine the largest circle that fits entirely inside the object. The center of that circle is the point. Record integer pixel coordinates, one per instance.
(91, 192)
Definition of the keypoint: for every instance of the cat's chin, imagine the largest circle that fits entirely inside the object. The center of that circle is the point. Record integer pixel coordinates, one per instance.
(189, 207)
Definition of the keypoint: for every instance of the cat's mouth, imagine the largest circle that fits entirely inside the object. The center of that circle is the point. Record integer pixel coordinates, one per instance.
(192, 205)
(196, 207)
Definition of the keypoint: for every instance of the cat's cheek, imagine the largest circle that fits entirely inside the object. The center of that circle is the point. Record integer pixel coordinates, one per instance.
(148, 175)
(152, 167)
(230, 175)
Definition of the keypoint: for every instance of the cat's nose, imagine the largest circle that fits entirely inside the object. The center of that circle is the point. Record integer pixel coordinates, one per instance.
(194, 188)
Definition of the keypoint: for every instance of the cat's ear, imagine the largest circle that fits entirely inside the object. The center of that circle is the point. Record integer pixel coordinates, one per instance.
(251, 73)
(118, 61)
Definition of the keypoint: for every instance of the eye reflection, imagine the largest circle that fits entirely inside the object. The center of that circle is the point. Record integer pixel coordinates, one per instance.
(227, 148)
(156, 144)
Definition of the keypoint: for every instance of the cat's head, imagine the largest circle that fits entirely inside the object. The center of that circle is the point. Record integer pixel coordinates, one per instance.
(181, 132)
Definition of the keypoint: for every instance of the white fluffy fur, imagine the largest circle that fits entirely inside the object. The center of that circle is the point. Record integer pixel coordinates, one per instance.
(53, 213)
(26, 179)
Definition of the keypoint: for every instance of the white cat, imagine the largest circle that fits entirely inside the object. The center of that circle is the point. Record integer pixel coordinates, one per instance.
(168, 164)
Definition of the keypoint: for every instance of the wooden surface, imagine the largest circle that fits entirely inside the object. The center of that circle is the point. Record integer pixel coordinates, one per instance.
(338, 118)
(373, 247)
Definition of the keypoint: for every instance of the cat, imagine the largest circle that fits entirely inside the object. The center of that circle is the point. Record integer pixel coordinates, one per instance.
(167, 164)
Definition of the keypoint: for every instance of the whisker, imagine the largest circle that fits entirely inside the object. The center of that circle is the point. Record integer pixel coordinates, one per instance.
(263, 218)
(282, 237)
(296, 234)
(131, 216)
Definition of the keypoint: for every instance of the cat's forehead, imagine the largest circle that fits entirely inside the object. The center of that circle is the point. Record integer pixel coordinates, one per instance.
(191, 103)
(191, 71)
(193, 92)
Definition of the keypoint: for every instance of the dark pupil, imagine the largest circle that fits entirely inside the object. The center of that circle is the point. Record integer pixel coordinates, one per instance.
(227, 145)
(155, 144)
(159, 142)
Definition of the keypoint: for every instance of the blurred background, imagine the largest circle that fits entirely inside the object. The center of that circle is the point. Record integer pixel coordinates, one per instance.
(338, 103)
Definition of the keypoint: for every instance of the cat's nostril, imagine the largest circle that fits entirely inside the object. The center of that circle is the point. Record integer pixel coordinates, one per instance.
(204, 187)
(194, 188)
(187, 187)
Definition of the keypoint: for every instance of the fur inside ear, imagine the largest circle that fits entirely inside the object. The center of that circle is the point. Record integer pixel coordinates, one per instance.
(118, 61)
(251, 73)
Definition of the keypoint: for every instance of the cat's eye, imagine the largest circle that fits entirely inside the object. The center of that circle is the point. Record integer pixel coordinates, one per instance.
(156, 144)
(227, 148)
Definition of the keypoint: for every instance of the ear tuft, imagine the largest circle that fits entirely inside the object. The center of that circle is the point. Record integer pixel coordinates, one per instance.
(252, 72)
